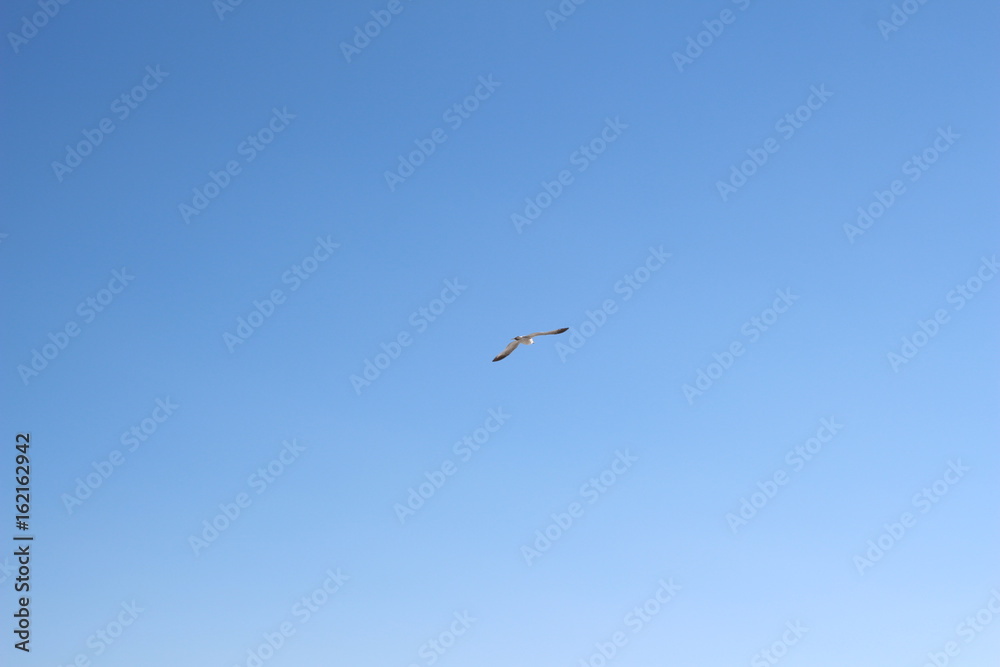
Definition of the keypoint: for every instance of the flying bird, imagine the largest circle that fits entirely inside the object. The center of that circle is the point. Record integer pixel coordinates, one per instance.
(525, 340)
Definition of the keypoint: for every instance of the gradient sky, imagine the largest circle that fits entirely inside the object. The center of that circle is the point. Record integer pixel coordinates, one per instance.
(202, 246)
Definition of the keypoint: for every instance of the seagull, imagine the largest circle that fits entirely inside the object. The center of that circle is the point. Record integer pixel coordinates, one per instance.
(525, 340)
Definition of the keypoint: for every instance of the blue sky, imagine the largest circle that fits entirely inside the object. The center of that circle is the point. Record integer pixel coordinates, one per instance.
(770, 435)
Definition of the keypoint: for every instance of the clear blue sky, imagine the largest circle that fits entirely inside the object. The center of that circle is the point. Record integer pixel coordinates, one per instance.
(218, 221)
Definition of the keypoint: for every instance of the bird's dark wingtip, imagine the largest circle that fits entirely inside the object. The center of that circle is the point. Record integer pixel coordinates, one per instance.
(563, 330)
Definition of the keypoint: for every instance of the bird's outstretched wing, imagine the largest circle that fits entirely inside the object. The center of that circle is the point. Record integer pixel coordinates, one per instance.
(510, 348)
(548, 333)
